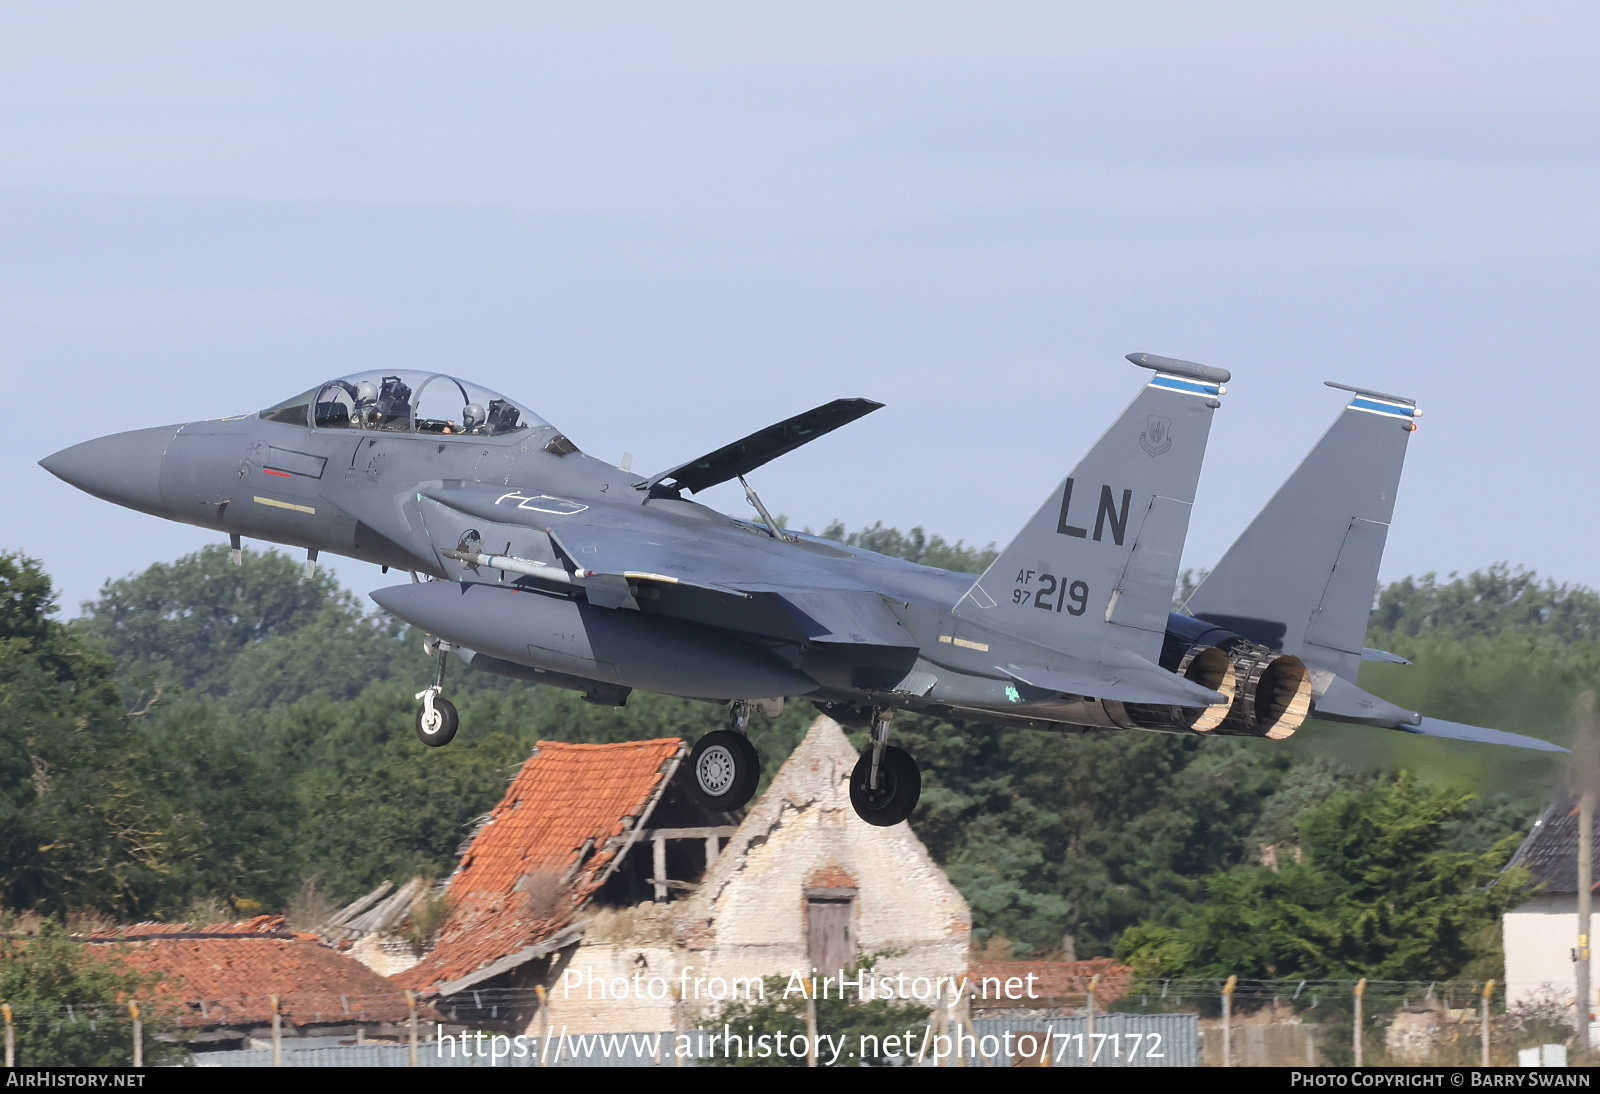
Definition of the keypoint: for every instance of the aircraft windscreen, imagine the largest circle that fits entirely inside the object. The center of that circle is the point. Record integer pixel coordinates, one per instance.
(403, 401)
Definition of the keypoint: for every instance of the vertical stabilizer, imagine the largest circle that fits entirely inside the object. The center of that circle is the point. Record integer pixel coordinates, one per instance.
(1096, 565)
(1301, 578)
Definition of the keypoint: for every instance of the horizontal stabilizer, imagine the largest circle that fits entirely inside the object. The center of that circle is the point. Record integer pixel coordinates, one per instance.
(1132, 680)
(1455, 731)
(1382, 656)
(745, 455)
(1344, 702)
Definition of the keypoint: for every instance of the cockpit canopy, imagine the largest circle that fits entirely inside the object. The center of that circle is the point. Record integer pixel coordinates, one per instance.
(401, 401)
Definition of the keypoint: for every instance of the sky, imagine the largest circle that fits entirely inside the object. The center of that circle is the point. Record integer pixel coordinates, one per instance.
(663, 226)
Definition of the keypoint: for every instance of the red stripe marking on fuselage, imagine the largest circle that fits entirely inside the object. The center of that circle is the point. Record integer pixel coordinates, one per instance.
(280, 474)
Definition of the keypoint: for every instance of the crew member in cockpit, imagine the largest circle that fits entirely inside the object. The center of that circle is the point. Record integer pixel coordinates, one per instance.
(366, 400)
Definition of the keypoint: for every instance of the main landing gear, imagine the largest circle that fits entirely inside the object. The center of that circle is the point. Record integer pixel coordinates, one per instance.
(885, 785)
(437, 721)
(724, 766)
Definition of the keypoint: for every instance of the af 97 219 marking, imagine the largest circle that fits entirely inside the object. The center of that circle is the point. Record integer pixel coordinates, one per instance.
(1052, 586)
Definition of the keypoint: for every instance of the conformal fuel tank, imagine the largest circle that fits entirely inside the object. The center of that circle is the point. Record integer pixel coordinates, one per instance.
(615, 646)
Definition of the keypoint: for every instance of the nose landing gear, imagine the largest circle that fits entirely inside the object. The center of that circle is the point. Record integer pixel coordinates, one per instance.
(885, 785)
(437, 721)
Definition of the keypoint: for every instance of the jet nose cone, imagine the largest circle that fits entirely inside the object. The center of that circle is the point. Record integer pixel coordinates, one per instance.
(124, 468)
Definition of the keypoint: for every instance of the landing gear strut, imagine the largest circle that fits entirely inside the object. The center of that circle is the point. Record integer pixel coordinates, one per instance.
(885, 785)
(724, 766)
(437, 721)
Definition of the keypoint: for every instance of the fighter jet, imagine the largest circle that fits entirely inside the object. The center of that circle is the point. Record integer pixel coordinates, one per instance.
(530, 559)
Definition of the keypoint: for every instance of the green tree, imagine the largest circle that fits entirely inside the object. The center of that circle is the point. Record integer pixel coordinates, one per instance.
(1153, 952)
(1047, 833)
(78, 828)
(248, 635)
(1380, 894)
(229, 809)
(915, 546)
(44, 974)
(1486, 602)
(376, 803)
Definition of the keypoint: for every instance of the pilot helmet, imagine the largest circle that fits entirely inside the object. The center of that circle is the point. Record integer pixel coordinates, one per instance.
(366, 392)
(472, 415)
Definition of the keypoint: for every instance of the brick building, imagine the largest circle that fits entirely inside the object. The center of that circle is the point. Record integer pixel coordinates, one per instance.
(222, 978)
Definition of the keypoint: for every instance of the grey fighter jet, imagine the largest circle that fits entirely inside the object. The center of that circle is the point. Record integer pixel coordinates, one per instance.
(548, 565)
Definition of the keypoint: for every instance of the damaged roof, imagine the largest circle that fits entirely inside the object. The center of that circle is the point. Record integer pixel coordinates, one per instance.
(540, 854)
(1550, 851)
(225, 973)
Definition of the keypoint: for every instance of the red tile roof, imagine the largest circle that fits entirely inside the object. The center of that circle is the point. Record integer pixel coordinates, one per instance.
(1055, 983)
(224, 974)
(567, 800)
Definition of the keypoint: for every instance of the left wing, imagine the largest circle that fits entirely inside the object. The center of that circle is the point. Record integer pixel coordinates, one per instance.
(718, 571)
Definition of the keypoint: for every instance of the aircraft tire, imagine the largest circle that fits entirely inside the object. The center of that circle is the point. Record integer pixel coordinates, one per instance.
(724, 768)
(899, 787)
(447, 722)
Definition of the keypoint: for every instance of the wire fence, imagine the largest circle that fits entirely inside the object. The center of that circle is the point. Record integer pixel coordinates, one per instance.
(1353, 1012)
(495, 1004)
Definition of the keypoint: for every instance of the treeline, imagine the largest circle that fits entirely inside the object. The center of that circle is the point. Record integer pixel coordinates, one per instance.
(205, 732)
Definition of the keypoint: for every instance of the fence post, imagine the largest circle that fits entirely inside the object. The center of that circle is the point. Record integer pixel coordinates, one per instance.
(1227, 1020)
(964, 1020)
(810, 992)
(677, 1024)
(277, 1035)
(1094, 983)
(138, 1035)
(411, 1005)
(544, 1025)
(11, 1037)
(1361, 989)
(1488, 990)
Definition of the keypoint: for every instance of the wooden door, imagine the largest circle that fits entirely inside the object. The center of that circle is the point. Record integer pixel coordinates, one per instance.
(830, 933)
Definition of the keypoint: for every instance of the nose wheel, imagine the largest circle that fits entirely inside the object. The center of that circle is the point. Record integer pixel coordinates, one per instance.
(437, 721)
(886, 784)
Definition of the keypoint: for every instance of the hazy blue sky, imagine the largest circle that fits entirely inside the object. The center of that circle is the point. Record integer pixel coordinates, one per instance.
(664, 225)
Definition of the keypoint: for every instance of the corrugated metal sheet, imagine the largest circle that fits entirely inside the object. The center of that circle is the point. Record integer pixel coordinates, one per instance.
(589, 1050)
(1120, 1040)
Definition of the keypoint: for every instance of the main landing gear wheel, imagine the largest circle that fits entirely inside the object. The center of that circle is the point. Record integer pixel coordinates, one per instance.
(899, 787)
(437, 721)
(723, 770)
